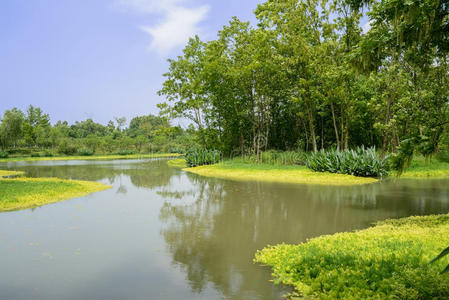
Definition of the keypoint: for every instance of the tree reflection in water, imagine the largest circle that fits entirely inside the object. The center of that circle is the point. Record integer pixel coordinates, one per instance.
(214, 227)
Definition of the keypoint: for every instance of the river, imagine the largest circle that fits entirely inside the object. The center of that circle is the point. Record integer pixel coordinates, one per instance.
(162, 233)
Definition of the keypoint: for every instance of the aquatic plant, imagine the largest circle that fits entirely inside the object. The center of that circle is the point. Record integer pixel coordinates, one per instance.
(22, 192)
(198, 157)
(364, 162)
(389, 260)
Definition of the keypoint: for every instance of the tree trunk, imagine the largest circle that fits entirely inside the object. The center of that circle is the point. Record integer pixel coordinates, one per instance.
(335, 126)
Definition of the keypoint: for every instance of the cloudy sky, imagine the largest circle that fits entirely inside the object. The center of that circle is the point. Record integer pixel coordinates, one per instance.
(99, 59)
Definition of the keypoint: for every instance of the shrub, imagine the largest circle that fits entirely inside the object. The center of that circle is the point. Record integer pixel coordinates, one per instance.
(198, 157)
(4, 154)
(47, 154)
(20, 151)
(126, 152)
(85, 152)
(274, 157)
(389, 260)
(35, 154)
(66, 147)
(403, 158)
(175, 150)
(359, 162)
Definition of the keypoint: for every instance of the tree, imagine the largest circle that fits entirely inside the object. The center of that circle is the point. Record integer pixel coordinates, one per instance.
(11, 128)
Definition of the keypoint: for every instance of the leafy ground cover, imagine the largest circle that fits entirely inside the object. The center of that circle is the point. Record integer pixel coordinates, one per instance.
(5, 174)
(389, 260)
(236, 170)
(422, 168)
(21, 193)
(177, 163)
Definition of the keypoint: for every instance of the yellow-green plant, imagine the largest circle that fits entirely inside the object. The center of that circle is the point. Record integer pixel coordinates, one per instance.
(389, 260)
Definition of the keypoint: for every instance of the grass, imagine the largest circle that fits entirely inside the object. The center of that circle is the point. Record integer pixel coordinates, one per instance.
(21, 193)
(177, 163)
(237, 170)
(388, 260)
(419, 168)
(94, 157)
(5, 174)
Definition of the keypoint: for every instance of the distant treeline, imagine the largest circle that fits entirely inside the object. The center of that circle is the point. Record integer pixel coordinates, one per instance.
(310, 76)
(30, 132)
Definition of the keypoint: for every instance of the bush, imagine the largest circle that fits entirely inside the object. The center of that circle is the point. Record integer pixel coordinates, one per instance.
(359, 162)
(20, 151)
(198, 157)
(67, 148)
(389, 260)
(85, 152)
(4, 154)
(175, 150)
(126, 152)
(274, 157)
(47, 154)
(35, 154)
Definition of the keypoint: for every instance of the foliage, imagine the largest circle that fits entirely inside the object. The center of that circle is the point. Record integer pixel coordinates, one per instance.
(443, 253)
(66, 147)
(237, 170)
(358, 162)
(276, 158)
(385, 261)
(8, 173)
(309, 75)
(4, 154)
(126, 152)
(21, 193)
(85, 152)
(93, 157)
(31, 132)
(403, 158)
(177, 163)
(198, 157)
(422, 168)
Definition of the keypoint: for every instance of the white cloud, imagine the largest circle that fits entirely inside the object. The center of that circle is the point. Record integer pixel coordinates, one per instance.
(179, 22)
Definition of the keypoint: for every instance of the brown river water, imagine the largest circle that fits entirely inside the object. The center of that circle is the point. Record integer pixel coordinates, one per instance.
(162, 233)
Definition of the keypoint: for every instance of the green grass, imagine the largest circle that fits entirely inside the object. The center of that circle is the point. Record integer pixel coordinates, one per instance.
(177, 163)
(237, 170)
(419, 168)
(388, 260)
(21, 193)
(4, 173)
(94, 157)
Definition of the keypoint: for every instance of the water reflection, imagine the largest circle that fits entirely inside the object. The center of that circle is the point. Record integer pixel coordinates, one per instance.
(214, 227)
(179, 235)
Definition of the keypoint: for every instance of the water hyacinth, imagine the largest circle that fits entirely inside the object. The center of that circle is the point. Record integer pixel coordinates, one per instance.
(358, 162)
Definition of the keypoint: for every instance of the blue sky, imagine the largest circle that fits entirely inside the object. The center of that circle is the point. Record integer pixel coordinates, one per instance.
(99, 59)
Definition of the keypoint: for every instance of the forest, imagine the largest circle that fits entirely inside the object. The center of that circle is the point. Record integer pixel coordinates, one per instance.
(314, 75)
(31, 133)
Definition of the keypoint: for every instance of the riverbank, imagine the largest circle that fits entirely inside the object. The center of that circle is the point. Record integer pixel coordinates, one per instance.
(434, 168)
(93, 157)
(241, 171)
(387, 260)
(6, 174)
(22, 192)
(179, 163)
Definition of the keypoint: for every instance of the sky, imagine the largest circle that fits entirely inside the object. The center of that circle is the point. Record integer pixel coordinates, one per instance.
(99, 59)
